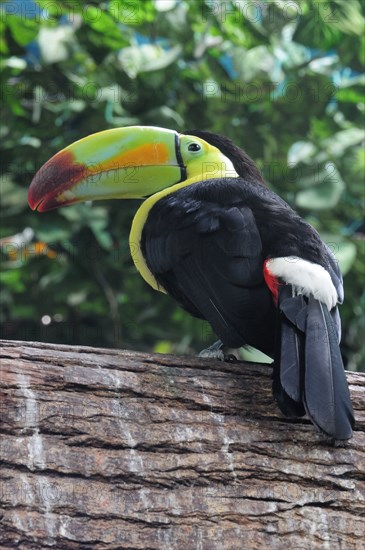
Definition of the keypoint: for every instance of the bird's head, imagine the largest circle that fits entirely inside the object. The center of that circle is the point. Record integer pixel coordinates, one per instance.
(134, 162)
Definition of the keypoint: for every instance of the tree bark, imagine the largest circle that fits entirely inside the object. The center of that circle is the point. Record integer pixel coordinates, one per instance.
(119, 449)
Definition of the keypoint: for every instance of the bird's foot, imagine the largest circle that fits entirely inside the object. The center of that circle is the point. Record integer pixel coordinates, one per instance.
(216, 351)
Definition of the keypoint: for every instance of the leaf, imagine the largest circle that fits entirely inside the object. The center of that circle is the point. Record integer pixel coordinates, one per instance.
(147, 58)
(12, 279)
(291, 54)
(101, 234)
(163, 346)
(165, 5)
(58, 9)
(165, 116)
(325, 194)
(15, 62)
(132, 12)
(104, 23)
(340, 141)
(346, 80)
(30, 141)
(53, 231)
(300, 151)
(346, 256)
(324, 65)
(55, 43)
(345, 252)
(350, 96)
(345, 16)
(77, 298)
(253, 62)
(325, 23)
(23, 29)
(12, 195)
(52, 279)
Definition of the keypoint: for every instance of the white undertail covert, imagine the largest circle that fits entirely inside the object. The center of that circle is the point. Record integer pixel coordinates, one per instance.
(306, 278)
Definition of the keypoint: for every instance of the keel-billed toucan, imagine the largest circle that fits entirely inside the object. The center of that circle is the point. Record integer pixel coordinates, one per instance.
(226, 248)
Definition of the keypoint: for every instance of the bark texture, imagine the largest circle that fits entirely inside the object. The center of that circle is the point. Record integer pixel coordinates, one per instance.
(118, 449)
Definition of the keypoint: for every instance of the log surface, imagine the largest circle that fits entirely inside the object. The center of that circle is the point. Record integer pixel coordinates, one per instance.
(107, 449)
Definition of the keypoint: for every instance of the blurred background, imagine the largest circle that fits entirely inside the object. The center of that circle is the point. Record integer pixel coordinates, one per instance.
(283, 79)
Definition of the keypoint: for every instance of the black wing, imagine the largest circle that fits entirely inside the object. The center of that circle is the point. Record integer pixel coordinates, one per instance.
(203, 246)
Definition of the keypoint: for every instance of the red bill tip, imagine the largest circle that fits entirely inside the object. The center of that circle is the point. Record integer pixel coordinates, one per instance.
(54, 177)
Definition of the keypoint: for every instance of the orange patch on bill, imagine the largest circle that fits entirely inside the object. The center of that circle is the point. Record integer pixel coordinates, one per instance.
(150, 154)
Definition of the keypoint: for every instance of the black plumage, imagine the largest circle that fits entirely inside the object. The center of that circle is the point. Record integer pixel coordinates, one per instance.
(206, 245)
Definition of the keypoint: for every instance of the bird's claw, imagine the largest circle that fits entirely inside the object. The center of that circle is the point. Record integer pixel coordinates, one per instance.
(230, 358)
(215, 351)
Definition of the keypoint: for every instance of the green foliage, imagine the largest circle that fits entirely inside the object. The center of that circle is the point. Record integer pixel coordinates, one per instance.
(283, 80)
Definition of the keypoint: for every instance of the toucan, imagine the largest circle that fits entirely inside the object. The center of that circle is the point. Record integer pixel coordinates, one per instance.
(212, 235)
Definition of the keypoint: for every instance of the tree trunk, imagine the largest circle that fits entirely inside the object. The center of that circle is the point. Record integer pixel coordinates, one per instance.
(119, 449)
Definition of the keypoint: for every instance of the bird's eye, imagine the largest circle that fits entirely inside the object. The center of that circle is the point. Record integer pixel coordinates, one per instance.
(194, 147)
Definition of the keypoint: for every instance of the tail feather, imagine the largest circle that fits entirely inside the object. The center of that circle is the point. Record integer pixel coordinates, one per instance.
(309, 374)
(326, 393)
(288, 369)
(288, 365)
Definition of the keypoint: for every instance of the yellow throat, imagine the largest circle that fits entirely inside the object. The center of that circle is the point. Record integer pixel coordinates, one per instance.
(224, 169)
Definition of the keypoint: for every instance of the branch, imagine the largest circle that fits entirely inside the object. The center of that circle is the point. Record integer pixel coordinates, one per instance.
(118, 449)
